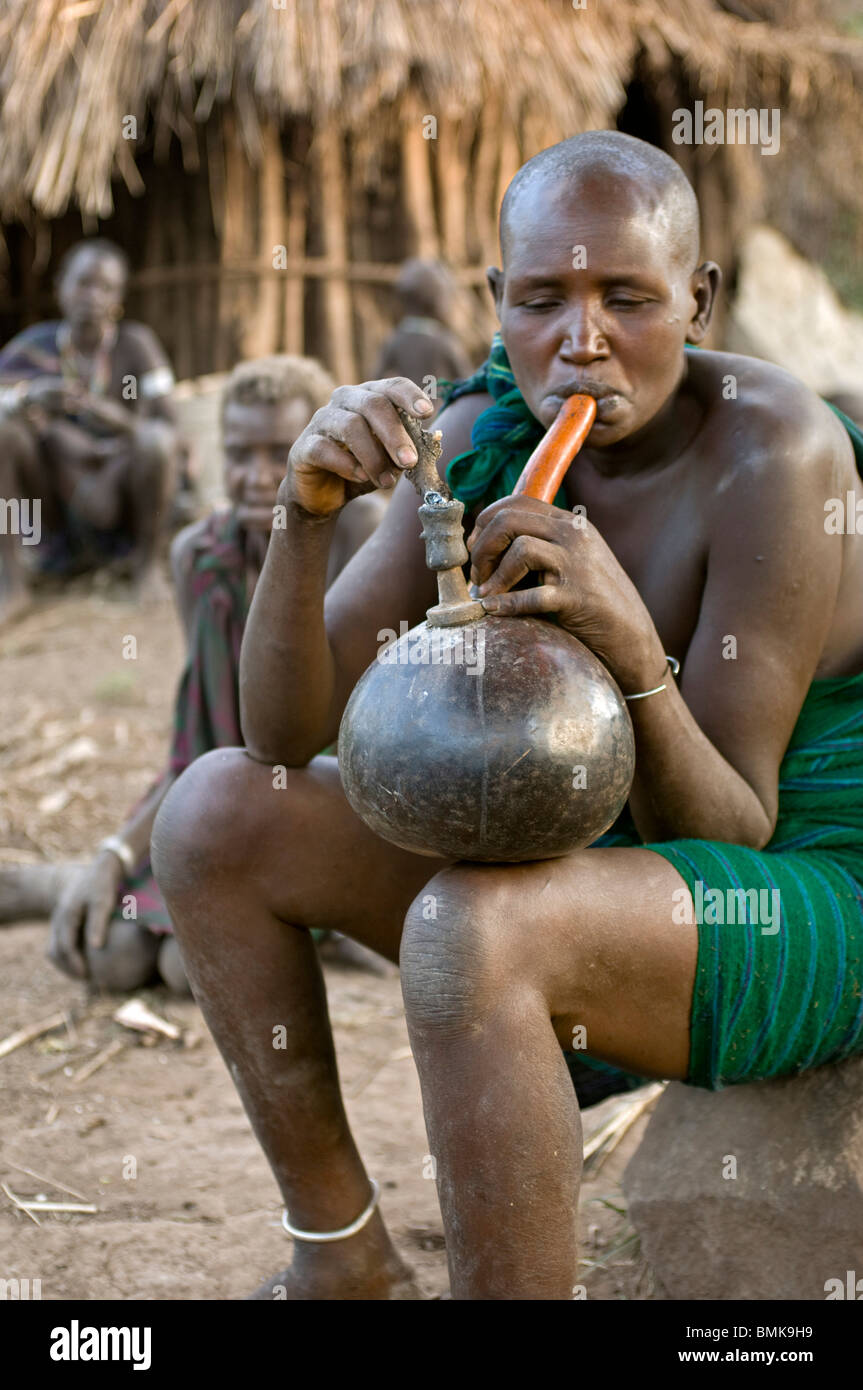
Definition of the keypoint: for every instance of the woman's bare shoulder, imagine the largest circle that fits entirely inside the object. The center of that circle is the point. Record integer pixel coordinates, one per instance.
(456, 422)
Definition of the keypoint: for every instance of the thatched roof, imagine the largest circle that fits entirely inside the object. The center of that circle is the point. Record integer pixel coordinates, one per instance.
(72, 71)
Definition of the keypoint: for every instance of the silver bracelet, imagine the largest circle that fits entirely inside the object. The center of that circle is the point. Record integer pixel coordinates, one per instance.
(643, 694)
(321, 1237)
(124, 852)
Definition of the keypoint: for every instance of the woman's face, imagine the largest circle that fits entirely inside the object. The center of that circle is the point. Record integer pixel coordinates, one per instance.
(256, 441)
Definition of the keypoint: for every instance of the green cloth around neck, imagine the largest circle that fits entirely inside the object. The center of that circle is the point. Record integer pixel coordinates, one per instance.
(502, 439)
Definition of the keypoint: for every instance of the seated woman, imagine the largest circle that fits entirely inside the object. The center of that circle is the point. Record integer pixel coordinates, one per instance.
(87, 428)
(704, 489)
(109, 922)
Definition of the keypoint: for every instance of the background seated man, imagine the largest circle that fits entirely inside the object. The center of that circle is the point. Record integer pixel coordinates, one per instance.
(87, 427)
(216, 562)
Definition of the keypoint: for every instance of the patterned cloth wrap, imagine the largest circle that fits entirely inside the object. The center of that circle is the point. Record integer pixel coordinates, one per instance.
(207, 707)
(776, 991)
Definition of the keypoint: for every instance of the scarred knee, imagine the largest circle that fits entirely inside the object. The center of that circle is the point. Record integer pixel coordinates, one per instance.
(126, 962)
(456, 959)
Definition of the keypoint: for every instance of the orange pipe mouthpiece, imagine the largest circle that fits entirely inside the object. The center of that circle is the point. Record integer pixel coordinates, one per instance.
(546, 468)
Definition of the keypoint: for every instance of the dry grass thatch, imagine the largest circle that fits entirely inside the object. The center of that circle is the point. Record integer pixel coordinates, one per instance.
(71, 71)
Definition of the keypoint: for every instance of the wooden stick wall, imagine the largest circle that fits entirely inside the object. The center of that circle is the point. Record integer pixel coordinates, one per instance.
(298, 251)
(254, 293)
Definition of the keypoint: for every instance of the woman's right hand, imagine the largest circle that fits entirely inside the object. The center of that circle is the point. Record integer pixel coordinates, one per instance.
(82, 916)
(354, 444)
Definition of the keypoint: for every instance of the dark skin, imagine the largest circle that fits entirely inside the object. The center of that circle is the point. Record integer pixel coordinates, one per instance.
(84, 942)
(120, 480)
(424, 292)
(705, 518)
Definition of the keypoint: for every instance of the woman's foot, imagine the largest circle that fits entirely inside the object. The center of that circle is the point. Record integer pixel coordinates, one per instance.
(363, 1267)
(170, 966)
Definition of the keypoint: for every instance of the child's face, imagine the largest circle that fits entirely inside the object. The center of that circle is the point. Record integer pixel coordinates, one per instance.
(256, 441)
(593, 297)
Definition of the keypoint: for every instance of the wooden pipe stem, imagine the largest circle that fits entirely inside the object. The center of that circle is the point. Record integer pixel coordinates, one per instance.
(547, 466)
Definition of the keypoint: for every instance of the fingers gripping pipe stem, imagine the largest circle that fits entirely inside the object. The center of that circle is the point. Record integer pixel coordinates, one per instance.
(442, 515)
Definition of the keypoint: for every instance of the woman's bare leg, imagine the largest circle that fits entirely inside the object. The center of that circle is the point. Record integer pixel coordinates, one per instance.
(499, 965)
(246, 869)
(496, 979)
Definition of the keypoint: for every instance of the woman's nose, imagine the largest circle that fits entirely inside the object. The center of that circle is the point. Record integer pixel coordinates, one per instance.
(583, 337)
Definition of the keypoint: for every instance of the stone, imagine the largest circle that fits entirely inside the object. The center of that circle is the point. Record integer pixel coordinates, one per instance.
(786, 310)
(756, 1191)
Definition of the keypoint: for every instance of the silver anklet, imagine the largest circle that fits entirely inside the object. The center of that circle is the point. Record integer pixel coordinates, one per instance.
(320, 1237)
(643, 694)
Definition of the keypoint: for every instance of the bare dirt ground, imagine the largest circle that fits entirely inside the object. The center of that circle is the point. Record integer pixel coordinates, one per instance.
(156, 1138)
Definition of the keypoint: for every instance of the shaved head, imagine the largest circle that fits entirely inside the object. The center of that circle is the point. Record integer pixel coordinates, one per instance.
(593, 161)
(602, 286)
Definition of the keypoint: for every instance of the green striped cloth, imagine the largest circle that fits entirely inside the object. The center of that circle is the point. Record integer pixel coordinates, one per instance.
(773, 1002)
(776, 991)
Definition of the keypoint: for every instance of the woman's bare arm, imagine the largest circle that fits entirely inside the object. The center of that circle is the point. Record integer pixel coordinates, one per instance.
(305, 648)
(708, 754)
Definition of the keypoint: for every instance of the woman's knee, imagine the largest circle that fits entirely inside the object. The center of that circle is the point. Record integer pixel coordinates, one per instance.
(203, 819)
(155, 439)
(457, 960)
(155, 456)
(223, 816)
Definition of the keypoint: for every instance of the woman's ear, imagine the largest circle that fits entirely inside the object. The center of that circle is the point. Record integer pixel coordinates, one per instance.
(494, 279)
(704, 287)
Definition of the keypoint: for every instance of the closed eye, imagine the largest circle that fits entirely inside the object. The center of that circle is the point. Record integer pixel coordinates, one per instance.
(625, 302)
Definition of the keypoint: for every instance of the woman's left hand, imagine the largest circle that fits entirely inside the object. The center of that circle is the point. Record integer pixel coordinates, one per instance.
(582, 582)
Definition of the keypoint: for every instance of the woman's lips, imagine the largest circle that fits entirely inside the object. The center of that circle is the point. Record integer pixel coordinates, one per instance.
(606, 403)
